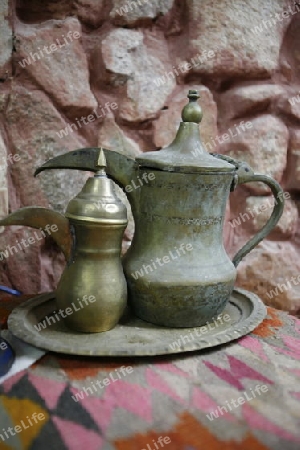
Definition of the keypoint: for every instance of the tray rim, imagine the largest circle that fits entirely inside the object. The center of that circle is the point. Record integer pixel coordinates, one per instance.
(245, 326)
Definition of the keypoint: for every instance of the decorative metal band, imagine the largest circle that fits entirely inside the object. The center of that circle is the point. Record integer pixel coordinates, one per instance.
(184, 220)
(179, 187)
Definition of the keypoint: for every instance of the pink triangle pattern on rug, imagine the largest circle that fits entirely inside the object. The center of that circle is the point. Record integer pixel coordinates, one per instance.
(171, 368)
(130, 397)
(259, 422)
(10, 382)
(53, 392)
(293, 344)
(156, 382)
(201, 401)
(76, 437)
(238, 370)
(255, 346)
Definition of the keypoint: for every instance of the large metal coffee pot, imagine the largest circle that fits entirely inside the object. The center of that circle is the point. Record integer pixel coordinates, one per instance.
(177, 270)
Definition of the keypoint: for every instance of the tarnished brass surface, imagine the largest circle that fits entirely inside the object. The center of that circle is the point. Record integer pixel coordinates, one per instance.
(95, 270)
(132, 336)
(92, 291)
(179, 201)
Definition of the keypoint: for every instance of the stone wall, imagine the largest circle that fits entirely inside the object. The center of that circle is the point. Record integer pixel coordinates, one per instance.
(128, 66)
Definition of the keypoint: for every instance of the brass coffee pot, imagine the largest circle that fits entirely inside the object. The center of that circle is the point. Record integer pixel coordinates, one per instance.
(177, 270)
(92, 292)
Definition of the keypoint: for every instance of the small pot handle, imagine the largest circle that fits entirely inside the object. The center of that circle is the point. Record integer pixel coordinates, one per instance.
(244, 174)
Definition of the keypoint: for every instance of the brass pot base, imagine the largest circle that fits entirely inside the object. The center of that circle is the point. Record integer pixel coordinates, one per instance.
(133, 336)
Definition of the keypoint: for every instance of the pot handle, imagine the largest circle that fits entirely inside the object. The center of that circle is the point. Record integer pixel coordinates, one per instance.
(244, 174)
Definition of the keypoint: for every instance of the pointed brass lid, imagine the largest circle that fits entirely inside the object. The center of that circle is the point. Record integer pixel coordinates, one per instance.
(186, 153)
(97, 201)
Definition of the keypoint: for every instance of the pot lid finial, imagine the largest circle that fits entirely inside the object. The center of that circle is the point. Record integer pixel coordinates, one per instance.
(101, 163)
(192, 112)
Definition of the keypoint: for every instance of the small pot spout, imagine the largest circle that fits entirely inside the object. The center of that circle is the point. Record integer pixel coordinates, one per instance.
(43, 218)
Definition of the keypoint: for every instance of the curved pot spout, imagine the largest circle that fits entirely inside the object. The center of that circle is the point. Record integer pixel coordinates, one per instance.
(43, 218)
(120, 168)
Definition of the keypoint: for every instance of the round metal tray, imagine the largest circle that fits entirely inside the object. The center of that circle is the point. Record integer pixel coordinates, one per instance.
(133, 336)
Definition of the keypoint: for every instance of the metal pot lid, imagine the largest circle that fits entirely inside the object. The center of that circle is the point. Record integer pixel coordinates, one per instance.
(186, 153)
(97, 201)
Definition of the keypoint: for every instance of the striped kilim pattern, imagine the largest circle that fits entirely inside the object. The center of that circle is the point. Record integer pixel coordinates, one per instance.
(192, 398)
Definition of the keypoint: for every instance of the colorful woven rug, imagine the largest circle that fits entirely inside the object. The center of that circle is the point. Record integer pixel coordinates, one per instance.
(239, 396)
